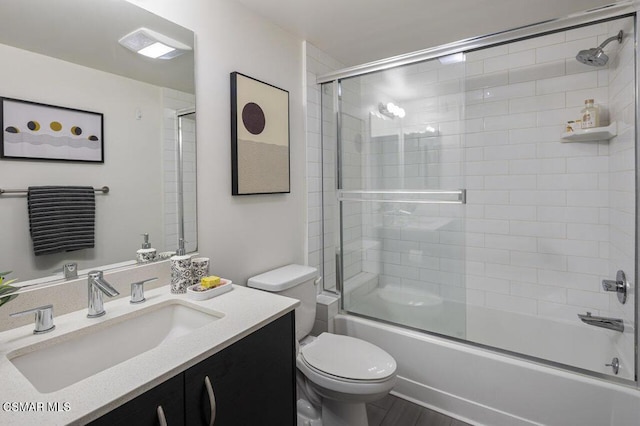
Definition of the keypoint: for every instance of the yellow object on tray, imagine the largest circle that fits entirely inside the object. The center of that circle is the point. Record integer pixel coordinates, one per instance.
(210, 282)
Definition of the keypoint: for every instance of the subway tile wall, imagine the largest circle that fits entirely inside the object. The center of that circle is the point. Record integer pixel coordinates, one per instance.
(547, 210)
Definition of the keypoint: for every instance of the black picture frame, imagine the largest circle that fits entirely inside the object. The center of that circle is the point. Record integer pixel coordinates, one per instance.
(37, 131)
(260, 137)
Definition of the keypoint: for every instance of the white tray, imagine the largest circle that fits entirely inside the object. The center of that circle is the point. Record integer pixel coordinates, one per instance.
(212, 292)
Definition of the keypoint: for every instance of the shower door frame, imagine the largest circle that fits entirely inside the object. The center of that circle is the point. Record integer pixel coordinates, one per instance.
(181, 115)
(590, 17)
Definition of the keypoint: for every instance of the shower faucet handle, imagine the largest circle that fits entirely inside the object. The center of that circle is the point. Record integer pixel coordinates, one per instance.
(620, 285)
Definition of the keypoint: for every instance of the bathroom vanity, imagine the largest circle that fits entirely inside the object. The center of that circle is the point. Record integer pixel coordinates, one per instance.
(239, 363)
(251, 382)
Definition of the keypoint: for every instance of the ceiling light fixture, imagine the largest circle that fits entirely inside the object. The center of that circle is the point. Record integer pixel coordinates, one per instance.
(153, 44)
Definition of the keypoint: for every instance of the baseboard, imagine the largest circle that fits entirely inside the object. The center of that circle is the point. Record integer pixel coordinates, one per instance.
(456, 407)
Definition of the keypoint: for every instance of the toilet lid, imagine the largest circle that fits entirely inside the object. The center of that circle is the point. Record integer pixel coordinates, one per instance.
(348, 357)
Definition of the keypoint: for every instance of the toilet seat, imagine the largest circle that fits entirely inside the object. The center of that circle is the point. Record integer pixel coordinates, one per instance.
(347, 365)
(316, 372)
(345, 357)
(348, 358)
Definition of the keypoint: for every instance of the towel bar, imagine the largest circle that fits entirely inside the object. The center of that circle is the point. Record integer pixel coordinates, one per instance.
(104, 190)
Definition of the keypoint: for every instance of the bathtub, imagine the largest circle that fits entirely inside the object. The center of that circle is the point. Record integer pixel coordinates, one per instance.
(483, 387)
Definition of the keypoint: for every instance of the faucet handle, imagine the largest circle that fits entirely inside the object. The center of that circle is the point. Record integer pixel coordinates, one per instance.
(137, 290)
(620, 285)
(44, 318)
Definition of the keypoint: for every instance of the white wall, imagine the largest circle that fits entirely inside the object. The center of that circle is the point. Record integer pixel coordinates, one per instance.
(132, 167)
(246, 235)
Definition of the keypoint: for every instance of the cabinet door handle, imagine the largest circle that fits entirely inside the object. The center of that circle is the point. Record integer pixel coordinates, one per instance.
(212, 399)
(161, 418)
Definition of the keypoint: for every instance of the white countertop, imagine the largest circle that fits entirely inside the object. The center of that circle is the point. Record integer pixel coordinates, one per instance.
(245, 311)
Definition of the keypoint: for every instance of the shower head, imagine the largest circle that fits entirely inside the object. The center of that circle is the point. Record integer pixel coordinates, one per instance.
(596, 56)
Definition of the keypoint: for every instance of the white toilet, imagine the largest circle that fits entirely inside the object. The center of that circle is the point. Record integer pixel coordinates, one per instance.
(336, 374)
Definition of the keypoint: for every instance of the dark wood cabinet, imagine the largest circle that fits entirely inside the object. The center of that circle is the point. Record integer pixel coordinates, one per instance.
(253, 380)
(252, 383)
(143, 410)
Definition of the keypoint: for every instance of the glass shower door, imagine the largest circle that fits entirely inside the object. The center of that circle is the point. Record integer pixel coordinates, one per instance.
(467, 209)
(402, 252)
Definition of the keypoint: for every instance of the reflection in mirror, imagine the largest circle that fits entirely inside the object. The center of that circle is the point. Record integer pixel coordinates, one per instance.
(186, 187)
(66, 53)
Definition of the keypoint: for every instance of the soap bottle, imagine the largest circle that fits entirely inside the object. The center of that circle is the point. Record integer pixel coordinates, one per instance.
(146, 253)
(181, 275)
(590, 115)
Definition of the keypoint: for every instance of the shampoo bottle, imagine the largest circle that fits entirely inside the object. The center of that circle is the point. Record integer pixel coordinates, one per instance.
(590, 115)
(146, 253)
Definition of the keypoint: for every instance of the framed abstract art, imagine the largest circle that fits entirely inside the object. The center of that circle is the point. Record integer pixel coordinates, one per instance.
(37, 131)
(259, 137)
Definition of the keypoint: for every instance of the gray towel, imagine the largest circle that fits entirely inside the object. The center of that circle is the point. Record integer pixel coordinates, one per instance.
(61, 218)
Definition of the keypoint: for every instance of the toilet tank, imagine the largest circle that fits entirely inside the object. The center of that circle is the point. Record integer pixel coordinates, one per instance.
(297, 282)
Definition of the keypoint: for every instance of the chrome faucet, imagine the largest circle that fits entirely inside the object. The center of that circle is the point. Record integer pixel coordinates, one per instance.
(98, 285)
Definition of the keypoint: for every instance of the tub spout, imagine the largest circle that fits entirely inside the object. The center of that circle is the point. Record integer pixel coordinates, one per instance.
(604, 322)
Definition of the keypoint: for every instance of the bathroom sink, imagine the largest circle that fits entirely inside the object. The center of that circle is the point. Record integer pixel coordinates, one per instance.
(81, 354)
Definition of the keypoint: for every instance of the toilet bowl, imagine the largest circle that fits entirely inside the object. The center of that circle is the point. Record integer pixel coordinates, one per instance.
(343, 367)
(337, 375)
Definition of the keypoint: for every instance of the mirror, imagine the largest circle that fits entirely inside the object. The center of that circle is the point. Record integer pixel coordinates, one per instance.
(66, 54)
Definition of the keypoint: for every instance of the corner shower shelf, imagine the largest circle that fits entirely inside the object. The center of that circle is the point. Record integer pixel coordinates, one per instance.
(591, 135)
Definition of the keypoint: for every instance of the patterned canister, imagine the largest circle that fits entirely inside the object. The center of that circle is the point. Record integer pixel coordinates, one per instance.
(199, 268)
(181, 275)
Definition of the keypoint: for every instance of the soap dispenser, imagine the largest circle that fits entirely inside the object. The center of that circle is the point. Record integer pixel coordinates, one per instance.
(146, 253)
(181, 275)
